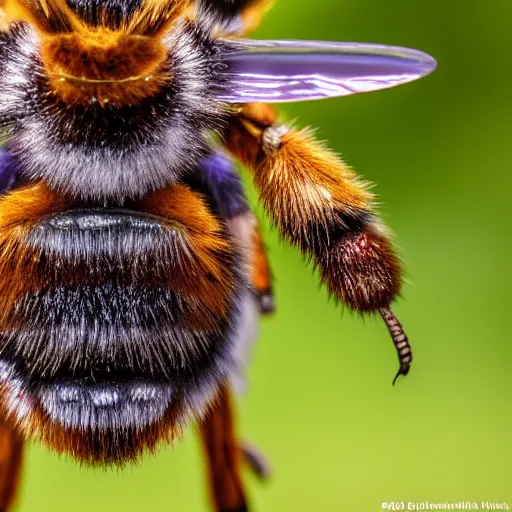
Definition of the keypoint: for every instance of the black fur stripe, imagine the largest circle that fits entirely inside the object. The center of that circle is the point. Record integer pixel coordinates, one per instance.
(225, 8)
(112, 13)
(317, 237)
(117, 330)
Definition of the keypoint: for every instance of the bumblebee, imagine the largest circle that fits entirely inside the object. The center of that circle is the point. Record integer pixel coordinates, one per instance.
(132, 270)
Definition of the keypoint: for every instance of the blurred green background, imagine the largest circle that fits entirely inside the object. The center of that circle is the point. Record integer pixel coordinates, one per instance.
(321, 404)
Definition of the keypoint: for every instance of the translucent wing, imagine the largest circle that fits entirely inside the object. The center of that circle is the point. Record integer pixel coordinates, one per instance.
(278, 71)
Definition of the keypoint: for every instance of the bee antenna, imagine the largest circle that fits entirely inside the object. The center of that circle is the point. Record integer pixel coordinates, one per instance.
(400, 340)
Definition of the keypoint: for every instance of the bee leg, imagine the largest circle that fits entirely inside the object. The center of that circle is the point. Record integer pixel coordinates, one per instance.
(11, 448)
(220, 182)
(320, 206)
(256, 461)
(261, 274)
(223, 456)
(246, 231)
(234, 17)
(252, 15)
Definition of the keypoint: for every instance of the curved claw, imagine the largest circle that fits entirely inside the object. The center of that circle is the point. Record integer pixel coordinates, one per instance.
(404, 370)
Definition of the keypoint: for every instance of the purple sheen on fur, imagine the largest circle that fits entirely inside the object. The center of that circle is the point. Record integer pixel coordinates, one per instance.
(8, 170)
(223, 185)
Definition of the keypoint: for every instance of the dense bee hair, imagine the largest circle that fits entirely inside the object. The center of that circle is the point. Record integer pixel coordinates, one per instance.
(124, 344)
(127, 299)
(225, 8)
(123, 150)
(111, 13)
(132, 271)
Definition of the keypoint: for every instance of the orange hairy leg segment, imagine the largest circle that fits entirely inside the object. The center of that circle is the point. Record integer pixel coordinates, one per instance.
(253, 14)
(261, 274)
(301, 183)
(320, 205)
(223, 455)
(245, 131)
(11, 455)
(246, 232)
(317, 184)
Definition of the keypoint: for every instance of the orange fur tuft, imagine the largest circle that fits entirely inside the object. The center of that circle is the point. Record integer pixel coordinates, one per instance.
(46, 16)
(55, 16)
(94, 447)
(121, 65)
(204, 274)
(4, 21)
(111, 66)
(20, 272)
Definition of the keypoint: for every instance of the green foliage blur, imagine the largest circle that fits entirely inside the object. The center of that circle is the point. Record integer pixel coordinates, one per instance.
(320, 403)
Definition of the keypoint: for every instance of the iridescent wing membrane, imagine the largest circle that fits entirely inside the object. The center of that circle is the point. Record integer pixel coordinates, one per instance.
(283, 71)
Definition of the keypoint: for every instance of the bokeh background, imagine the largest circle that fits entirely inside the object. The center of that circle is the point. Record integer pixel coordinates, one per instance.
(321, 404)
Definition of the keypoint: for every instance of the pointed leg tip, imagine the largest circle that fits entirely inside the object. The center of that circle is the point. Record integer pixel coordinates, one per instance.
(401, 372)
(257, 462)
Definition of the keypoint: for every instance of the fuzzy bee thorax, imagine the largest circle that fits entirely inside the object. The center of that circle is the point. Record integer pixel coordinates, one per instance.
(103, 55)
(109, 66)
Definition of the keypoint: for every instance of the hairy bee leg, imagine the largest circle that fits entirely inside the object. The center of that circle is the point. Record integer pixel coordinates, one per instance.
(219, 180)
(11, 451)
(245, 229)
(252, 15)
(319, 205)
(235, 16)
(261, 274)
(223, 456)
(256, 461)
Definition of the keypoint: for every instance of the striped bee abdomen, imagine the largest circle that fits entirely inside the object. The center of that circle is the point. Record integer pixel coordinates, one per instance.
(118, 324)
